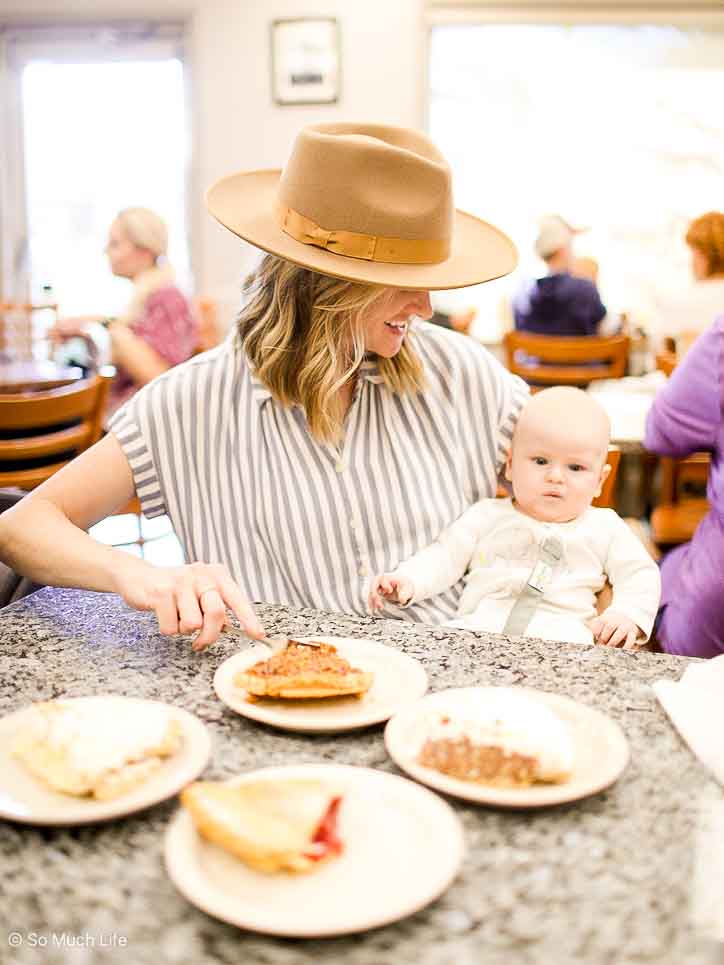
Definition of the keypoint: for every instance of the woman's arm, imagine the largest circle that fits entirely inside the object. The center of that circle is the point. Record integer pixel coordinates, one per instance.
(133, 353)
(686, 413)
(44, 537)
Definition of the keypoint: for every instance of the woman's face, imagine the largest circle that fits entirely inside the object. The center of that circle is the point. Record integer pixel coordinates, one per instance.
(699, 263)
(386, 323)
(126, 259)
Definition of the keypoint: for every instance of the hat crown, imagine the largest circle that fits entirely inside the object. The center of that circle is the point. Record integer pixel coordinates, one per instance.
(370, 179)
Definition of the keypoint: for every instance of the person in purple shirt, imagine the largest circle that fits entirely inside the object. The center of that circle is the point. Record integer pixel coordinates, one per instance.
(560, 303)
(686, 417)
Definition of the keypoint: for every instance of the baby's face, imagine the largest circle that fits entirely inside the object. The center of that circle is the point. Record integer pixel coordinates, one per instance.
(555, 471)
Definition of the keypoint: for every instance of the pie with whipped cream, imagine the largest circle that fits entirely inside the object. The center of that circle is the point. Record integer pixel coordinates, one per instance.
(96, 748)
(304, 670)
(510, 740)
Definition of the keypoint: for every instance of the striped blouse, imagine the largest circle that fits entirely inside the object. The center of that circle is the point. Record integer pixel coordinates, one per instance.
(306, 523)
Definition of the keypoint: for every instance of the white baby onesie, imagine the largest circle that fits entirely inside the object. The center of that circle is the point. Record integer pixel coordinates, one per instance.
(497, 546)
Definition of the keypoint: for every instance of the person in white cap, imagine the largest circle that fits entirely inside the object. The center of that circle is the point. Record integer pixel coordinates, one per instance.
(335, 434)
(559, 303)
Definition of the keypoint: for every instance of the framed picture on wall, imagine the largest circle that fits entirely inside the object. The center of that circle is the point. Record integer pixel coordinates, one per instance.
(305, 60)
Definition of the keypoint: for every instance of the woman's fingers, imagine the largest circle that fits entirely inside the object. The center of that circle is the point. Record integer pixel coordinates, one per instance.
(214, 613)
(244, 611)
(190, 616)
(193, 599)
(164, 603)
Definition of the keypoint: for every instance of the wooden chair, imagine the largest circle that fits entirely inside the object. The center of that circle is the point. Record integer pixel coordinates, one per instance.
(544, 360)
(678, 513)
(59, 424)
(666, 362)
(207, 312)
(606, 499)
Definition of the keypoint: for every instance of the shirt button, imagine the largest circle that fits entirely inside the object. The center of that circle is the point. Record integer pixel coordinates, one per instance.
(339, 466)
(364, 571)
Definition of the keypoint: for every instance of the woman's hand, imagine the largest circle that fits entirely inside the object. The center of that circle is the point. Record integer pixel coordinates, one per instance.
(66, 328)
(614, 629)
(394, 589)
(189, 599)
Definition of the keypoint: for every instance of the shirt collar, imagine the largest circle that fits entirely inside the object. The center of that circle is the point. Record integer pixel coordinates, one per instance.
(368, 371)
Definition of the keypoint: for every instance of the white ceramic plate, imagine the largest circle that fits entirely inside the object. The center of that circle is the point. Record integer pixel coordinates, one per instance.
(403, 846)
(399, 680)
(26, 799)
(600, 750)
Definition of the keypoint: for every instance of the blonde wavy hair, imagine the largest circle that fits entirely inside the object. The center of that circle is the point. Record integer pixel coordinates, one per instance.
(706, 234)
(303, 334)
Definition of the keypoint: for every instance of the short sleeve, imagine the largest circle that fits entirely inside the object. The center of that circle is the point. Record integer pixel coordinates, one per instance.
(126, 425)
(686, 413)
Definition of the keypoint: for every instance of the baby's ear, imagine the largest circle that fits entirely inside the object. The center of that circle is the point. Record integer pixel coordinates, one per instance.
(508, 472)
(605, 472)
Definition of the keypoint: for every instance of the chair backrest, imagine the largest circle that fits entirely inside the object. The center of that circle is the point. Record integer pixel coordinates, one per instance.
(210, 335)
(689, 471)
(566, 360)
(666, 362)
(41, 431)
(606, 500)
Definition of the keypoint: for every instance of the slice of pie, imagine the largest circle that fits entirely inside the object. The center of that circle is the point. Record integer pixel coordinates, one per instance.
(304, 670)
(508, 740)
(96, 748)
(272, 825)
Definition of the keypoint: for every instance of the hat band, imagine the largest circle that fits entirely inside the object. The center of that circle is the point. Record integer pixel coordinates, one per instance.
(397, 251)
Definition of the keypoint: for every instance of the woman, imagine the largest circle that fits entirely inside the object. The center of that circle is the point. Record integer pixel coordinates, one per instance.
(685, 316)
(332, 438)
(158, 329)
(686, 417)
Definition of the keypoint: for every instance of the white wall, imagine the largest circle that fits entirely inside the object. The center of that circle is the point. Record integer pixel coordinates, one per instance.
(239, 127)
(236, 124)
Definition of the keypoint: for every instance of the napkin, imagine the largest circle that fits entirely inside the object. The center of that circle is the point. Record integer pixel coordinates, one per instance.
(695, 706)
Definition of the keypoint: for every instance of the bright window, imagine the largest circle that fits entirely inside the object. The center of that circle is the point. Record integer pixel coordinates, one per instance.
(619, 128)
(100, 137)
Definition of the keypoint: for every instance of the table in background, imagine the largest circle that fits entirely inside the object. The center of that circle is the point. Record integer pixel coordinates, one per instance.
(36, 376)
(604, 880)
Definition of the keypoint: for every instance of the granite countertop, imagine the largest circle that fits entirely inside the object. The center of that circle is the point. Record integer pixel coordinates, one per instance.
(608, 879)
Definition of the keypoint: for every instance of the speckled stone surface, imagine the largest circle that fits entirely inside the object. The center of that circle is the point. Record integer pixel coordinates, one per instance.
(604, 880)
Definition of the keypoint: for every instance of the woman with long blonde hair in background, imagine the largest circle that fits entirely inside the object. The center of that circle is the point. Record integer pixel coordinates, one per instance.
(335, 435)
(158, 328)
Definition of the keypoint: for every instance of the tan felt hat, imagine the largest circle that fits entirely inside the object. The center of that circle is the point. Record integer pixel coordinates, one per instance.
(367, 203)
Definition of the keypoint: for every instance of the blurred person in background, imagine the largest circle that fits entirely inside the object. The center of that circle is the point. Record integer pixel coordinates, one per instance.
(158, 328)
(684, 315)
(561, 302)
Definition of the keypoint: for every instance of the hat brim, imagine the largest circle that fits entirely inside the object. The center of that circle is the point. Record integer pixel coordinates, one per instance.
(244, 203)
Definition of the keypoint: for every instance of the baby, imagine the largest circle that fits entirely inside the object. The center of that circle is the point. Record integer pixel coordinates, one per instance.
(533, 564)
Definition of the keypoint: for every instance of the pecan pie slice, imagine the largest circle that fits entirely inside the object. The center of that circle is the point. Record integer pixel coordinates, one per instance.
(304, 670)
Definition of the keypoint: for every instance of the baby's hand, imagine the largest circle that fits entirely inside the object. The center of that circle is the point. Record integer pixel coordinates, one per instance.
(395, 589)
(614, 629)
